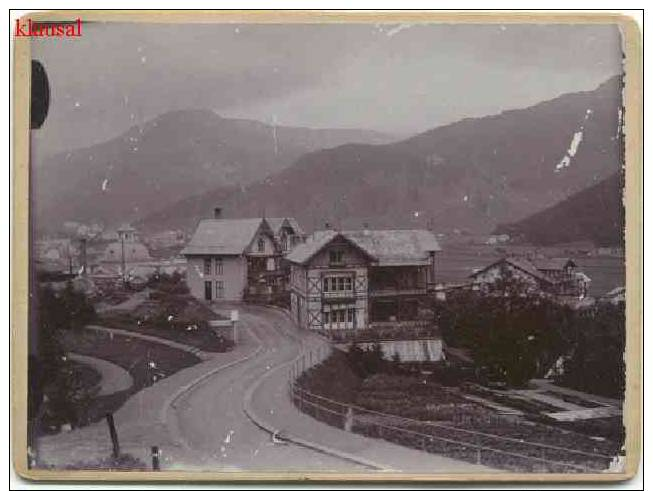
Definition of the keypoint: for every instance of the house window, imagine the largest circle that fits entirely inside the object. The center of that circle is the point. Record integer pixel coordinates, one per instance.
(339, 317)
(332, 284)
(218, 266)
(284, 242)
(207, 265)
(271, 264)
(261, 245)
(335, 256)
(219, 289)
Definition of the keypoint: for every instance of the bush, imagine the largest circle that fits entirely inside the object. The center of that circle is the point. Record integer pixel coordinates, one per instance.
(596, 363)
(334, 378)
(366, 362)
(172, 284)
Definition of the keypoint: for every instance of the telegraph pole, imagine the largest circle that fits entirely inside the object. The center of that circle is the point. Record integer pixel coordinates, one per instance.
(122, 257)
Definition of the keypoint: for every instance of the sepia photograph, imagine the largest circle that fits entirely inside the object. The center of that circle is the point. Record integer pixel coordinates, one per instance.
(307, 246)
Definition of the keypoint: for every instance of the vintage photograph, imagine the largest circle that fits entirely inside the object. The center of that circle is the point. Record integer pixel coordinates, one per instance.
(341, 248)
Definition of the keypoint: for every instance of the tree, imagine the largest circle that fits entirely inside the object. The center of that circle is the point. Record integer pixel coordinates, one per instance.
(596, 363)
(511, 332)
(66, 309)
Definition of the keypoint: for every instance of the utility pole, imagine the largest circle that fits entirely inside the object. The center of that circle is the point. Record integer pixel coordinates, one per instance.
(122, 257)
(83, 260)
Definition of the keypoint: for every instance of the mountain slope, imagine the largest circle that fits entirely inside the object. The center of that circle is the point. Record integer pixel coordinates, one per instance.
(594, 214)
(471, 175)
(174, 156)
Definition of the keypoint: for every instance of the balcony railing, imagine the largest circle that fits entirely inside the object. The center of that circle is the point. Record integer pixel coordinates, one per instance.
(394, 291)
(401, 324)
(338, 294)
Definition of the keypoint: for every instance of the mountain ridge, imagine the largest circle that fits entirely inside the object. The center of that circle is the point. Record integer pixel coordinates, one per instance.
(176, 155)
(594, 214)
(471, 175)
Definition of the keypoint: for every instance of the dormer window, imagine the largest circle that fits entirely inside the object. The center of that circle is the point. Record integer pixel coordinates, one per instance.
(335, 256)
(261, 245)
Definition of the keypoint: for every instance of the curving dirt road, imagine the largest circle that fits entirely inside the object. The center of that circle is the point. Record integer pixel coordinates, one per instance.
(208, 419)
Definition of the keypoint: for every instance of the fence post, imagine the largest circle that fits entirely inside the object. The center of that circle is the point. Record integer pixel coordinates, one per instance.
(114, 435)
(478, 456)
(349, 419)
(155, 458)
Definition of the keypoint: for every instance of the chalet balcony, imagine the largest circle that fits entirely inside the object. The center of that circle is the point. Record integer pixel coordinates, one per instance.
(402, 324)
(393, 291)
(384, 331)
(338, 295)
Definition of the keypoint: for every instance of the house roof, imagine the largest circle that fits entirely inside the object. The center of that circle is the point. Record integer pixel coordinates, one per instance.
(521, 264)
(386, 247)
(277, 223)
(553, 264)
(223, 236)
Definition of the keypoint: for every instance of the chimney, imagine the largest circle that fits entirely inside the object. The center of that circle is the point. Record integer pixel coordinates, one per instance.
(327, 225)
(366, 229)
(217, 212)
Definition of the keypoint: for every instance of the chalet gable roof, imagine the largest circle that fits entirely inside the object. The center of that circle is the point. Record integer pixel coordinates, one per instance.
(521, 264)
(276, 224)
(225, 236)
(385, 247)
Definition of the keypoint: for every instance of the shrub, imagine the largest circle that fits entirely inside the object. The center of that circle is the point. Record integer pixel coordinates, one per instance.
(597, 362)
(172, 284)
(334, 378)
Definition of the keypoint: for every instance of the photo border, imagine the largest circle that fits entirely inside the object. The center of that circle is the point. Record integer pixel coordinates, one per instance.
(633, 200)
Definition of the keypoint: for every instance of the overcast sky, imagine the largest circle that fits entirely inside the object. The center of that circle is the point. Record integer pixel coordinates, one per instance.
(399, 79)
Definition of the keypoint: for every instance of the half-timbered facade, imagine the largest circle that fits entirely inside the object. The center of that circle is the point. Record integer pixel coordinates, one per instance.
(361, 279)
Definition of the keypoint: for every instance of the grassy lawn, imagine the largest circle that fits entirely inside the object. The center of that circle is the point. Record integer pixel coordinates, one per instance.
(86, 375)
(146, 362)
(197, 334)
(172, 313)
(124, 462)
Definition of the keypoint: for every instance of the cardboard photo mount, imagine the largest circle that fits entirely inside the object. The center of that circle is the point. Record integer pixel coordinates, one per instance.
(633, 199)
